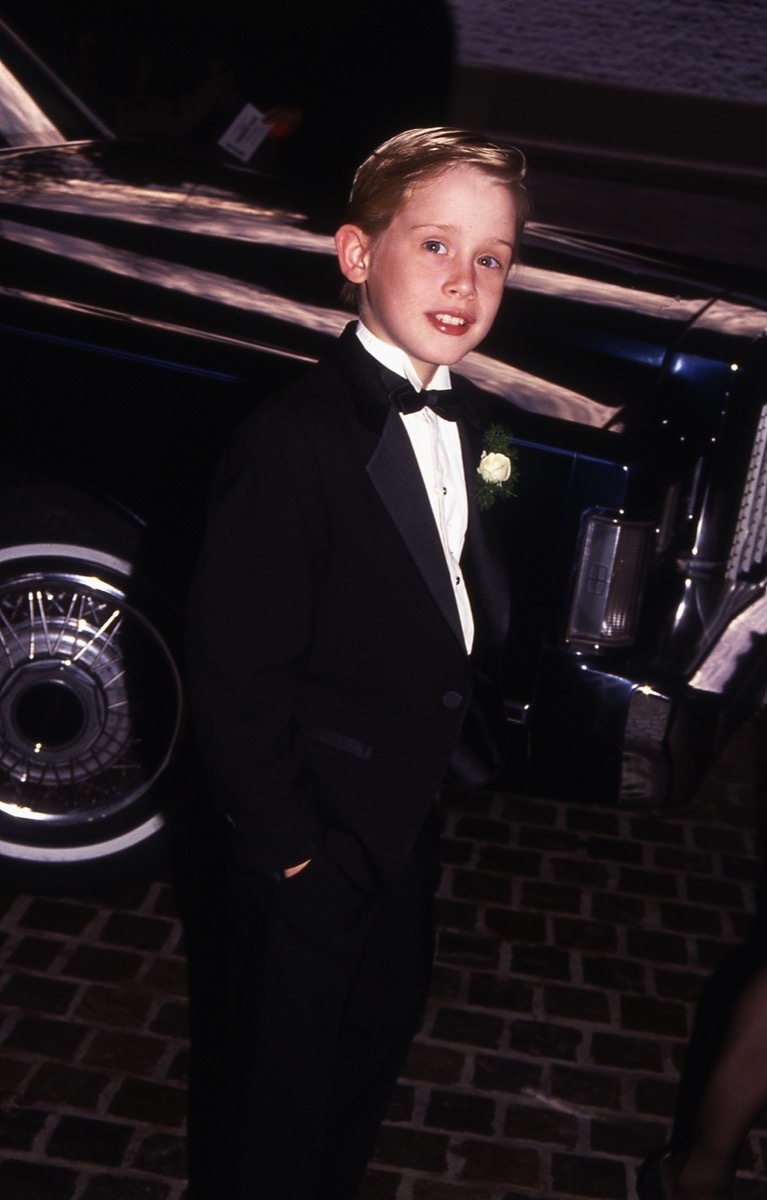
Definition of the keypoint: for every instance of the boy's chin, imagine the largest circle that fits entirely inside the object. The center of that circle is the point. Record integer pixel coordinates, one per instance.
(455, 351)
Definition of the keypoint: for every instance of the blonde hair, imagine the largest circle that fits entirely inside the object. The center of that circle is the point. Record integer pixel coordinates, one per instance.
(386, 180)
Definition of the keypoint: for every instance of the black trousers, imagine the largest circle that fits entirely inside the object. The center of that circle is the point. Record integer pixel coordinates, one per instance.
(327, 986)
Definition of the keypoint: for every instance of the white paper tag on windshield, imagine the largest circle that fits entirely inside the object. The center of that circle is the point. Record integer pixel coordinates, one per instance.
(245, 134)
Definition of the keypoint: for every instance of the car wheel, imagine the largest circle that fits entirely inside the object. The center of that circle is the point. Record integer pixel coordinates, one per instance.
(90, 716)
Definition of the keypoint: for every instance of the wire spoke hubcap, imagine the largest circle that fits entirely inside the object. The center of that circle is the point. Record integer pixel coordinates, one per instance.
(89, 701)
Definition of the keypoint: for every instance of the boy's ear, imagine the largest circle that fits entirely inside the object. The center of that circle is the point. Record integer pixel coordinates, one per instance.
(352, 247)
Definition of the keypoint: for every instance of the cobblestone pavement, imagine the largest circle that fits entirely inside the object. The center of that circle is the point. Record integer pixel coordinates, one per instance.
(574, 944)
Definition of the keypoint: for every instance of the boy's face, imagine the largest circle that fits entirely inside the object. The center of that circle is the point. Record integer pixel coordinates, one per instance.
(433, 280)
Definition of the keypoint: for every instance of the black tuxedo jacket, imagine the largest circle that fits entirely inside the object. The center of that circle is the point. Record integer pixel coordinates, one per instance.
(328, 674)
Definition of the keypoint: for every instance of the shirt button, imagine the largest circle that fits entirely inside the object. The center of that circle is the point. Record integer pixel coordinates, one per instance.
(452, 700)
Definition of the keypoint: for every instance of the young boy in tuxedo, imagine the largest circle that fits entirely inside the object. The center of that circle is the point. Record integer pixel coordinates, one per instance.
(345, 630)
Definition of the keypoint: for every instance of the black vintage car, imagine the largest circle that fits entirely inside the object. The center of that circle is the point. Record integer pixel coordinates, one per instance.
(147, 299)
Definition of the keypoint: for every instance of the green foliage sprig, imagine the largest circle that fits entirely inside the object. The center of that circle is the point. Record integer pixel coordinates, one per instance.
(497, 470)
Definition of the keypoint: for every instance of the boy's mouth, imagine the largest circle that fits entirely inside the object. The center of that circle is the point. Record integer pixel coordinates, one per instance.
(451, 322)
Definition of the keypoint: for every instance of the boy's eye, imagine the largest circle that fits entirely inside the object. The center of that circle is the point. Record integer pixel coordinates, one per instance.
(435, 247)
(489, 260)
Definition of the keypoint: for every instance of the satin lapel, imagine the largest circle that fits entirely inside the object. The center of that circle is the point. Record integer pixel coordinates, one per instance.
(394, 473)
(482, 559)
(393, 469)
(361, 376)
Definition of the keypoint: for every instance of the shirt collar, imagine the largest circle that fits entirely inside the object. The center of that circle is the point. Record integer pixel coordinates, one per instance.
(398, 361)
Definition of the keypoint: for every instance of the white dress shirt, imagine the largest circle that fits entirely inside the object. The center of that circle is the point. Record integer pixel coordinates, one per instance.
(436, 443)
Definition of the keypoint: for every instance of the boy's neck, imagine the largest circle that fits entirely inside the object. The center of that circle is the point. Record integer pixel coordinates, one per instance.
(395, 358)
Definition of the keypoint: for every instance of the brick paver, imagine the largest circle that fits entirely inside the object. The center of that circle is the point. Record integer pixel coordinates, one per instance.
(574, 943)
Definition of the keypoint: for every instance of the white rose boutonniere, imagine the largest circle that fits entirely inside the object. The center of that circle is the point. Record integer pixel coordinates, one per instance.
(496, 473)
(494, 467)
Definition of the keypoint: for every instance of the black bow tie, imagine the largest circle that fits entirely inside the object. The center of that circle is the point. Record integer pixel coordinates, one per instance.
(443, 403)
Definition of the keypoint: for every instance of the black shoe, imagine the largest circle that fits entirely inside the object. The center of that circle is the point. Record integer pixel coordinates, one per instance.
(649, 1181)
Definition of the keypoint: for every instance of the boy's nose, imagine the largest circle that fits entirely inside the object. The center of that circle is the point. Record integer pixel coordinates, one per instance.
(461, 281)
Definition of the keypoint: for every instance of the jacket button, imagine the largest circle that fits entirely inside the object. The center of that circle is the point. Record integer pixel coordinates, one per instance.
(452, 700)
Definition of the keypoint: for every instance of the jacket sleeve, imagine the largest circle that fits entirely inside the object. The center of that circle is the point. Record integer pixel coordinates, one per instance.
(250, 628)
